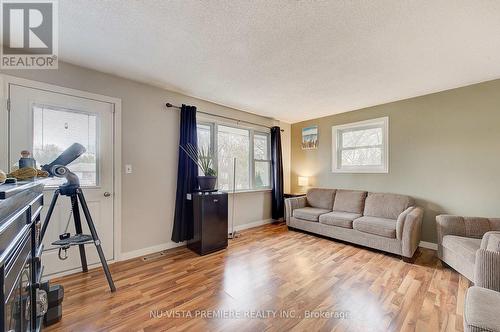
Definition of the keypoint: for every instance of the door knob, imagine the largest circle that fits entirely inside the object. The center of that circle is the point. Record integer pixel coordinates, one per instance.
(107, 194)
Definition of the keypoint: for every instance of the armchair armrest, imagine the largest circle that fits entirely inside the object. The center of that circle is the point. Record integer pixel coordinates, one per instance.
(449, 225)
(292, 204)
(491, 241)
(408, 229)
(487, 267)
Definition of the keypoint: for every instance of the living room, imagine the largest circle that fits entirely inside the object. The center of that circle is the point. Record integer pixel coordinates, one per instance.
(250, 165)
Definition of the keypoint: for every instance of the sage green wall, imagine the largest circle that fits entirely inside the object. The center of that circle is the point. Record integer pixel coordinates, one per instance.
(444, 151)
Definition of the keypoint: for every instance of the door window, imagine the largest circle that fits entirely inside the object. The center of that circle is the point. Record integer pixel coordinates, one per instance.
(55, 129)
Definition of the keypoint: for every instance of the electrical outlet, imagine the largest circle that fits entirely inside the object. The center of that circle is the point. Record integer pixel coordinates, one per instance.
(128, 169)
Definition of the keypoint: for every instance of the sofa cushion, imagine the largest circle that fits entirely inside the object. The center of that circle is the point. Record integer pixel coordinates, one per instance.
(338, 218)
(349, 201)
(465, 247)
(309, 213)
(481, 309)
(388, 206)
(320, 198)
(378, 226)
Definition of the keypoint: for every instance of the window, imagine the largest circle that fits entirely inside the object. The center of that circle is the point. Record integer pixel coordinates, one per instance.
(55, 129)
(233, 145)
(361, 147)
(204, 135)
(261, 160)
(250, 150)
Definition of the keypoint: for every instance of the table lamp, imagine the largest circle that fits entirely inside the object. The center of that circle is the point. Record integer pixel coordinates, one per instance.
(303, 181)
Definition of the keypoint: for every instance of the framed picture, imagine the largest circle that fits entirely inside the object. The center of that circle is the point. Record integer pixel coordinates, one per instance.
(310, 138)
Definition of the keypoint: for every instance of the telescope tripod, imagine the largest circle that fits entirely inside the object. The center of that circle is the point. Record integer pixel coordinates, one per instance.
(75, 193)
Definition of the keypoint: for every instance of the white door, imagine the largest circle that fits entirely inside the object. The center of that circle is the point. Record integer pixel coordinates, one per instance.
(46, 123)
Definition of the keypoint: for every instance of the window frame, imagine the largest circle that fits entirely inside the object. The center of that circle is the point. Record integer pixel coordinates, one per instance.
(257, 130)
(337, 167)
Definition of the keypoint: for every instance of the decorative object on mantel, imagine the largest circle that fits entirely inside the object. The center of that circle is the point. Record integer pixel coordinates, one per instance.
(203, 159)
(26, 160)
(26, 168)
(310, 138)
(27, 173)
(24, 173)
(3, 176)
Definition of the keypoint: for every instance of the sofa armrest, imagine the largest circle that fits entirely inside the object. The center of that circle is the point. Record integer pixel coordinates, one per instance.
(292, 204)
(487, 266)
(481, 310)
(408, 229)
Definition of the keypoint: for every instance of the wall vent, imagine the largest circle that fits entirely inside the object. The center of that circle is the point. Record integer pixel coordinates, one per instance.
(156, 255)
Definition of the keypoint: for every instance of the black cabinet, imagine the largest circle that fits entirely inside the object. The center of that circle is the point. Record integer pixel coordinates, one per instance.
(20, 206)
(209, 222)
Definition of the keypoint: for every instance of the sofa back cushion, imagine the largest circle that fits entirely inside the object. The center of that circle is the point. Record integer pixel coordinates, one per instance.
(495, 224)
(320, 198)
(476, 227)
(388, 206)
(349, 201)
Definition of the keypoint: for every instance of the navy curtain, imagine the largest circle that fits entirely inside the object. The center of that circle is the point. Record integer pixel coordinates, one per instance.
(277, 174)
(187, 171)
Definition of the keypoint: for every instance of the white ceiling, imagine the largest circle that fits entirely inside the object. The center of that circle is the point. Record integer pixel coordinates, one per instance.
(291, 60)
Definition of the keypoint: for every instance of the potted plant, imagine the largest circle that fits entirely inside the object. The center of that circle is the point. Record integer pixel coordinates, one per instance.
(203, 159)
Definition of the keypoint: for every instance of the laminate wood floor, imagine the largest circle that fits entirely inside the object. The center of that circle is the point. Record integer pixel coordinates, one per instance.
(269, 279)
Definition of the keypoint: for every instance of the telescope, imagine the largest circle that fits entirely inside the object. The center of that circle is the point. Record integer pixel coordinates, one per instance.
(58, 168)
(71, 188)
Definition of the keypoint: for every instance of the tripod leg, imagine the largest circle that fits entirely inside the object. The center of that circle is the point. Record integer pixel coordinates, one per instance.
(49, 215)
(97, 242)
(78, 228)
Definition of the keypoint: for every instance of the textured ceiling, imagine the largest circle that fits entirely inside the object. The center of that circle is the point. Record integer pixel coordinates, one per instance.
(291, 60)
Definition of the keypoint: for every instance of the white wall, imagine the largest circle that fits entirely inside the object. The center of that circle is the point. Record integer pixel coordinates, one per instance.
(150, 141)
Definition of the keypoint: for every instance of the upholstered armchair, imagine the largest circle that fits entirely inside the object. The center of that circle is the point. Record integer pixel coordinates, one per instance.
(482, 301)
(459, 239)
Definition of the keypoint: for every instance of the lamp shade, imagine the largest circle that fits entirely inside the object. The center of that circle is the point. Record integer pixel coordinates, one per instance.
(303, 181)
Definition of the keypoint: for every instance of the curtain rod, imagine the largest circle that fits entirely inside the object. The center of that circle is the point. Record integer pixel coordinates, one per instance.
(221, 116)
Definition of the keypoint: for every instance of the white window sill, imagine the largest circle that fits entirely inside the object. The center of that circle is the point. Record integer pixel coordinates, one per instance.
(361, 171)
(248, 191)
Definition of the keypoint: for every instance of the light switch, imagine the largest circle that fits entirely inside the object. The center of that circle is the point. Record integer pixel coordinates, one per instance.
(128, 169)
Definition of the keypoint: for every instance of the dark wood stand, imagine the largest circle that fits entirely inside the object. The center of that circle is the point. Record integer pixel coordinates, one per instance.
(292, 195)
(210, 222)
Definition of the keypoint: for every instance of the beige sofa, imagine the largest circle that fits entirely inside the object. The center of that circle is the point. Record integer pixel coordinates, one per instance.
(482, 301)
(387, 222)
(459, 239)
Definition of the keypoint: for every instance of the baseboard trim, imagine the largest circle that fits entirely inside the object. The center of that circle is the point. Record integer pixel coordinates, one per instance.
(149, 250)
(164, 246)
(170, 245)
(252, 224)
(428, 245)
